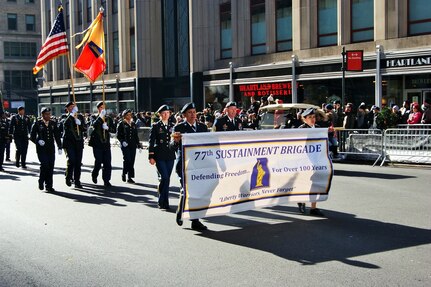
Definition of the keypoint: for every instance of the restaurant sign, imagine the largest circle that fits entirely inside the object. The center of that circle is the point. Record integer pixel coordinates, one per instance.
(266, 89)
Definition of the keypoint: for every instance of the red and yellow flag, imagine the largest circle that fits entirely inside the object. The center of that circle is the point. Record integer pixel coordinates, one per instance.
(91, 62)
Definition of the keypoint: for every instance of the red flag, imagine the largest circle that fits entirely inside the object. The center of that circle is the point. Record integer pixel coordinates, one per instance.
(55, 44)
(91, 62)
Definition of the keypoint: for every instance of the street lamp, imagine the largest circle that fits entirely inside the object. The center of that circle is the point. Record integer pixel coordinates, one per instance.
(231, 98)
(378, 85)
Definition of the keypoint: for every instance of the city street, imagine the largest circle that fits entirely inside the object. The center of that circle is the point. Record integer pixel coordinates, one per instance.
(377, 232)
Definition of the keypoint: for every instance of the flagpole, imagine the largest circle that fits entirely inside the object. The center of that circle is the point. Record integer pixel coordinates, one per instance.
(103, 90)
(71, 76)
(73, 86)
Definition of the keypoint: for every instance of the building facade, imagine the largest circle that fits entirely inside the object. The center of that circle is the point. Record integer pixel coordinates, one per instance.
(19, 44)
(210, 51)
(292, 49)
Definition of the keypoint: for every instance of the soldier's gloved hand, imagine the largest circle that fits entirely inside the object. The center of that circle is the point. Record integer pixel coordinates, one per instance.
(60, 151)
(78, 122)
(105, 126)
(124, 144)
(74, 110)
(41, 142)
(103, 113)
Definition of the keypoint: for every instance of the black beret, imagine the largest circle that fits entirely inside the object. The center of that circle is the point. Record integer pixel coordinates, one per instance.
(125, 112)
(308, 112)
(329, 107)
(187, 107)
(230, 104)
(20, 108)
(45, 110)
(163, 108)
(99, 104)
(69, 104)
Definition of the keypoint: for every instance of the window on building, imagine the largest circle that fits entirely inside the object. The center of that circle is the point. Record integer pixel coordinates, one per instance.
(327, 23)
(30, 22)
(67, 15)
(116, 51)
(225, 31)
(132, 50)
(175, 38)
(114, 6)
(132, 15)
(131, 3)
(79, 15)
(11, 0)
(23, 80)
(362, 23)
(419, 17)
(18, 50)
(258, 27)
(48, 17)
(284, 25)
(12, 22)
(89, 12)
(29, 1)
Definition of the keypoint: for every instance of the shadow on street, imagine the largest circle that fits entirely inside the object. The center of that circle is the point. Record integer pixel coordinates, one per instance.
(338, 237)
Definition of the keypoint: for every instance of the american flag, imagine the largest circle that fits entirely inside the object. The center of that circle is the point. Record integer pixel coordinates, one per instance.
(55, 45)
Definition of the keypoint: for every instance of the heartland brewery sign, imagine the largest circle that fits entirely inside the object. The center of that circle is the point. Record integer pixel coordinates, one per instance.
(406, 62)
(260, 90)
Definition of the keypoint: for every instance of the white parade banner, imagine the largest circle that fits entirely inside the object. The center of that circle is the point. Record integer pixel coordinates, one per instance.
(229, 172)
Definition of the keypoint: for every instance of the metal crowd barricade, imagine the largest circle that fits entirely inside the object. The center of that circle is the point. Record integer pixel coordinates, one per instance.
(415, 126)
(409, 144)
(144, 135)
(366, 142)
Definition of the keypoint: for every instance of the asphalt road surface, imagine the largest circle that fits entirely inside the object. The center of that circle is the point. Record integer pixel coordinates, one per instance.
(376, 233)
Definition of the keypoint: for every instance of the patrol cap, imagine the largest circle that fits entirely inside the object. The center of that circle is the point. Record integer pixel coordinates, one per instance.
(69, 104)
(230, 104)
(125, 112)
(187, 107)
(163, 108)
(20, 108)
(45, 110)
(99, 104)
(308, 112)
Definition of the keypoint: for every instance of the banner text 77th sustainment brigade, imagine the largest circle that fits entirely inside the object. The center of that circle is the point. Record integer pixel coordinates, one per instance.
(230, 172)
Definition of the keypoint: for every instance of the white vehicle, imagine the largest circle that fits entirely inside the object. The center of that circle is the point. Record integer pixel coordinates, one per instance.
(276, 115)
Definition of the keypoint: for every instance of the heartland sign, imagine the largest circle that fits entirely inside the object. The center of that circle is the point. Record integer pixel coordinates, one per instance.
(406, 62)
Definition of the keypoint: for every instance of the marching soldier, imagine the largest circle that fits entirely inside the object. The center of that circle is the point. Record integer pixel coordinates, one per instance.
(189, 125)
(228, 122)
(160, 153)
(309, 119)
(127, 135)
(100, 141)
(4, 136)
(73, 143)
(44, 133)
(20, 127)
